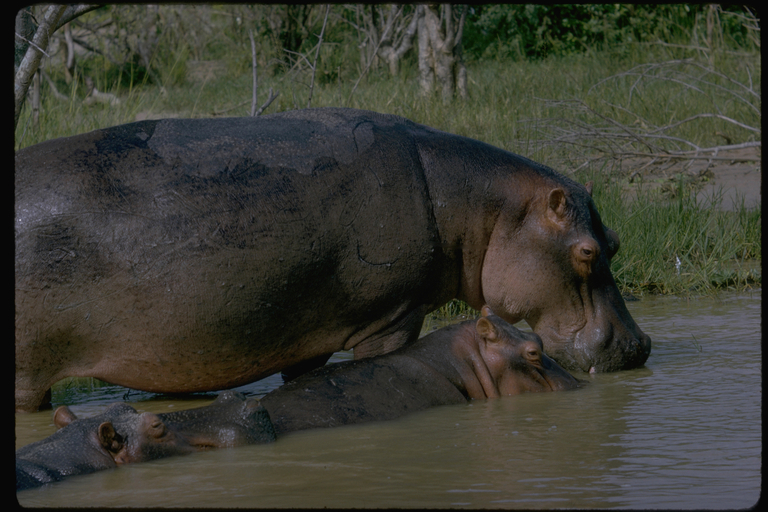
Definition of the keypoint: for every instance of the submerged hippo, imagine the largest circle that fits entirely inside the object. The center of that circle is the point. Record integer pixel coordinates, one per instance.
(174, 255)
(121, 435)
(476, 359)
(484, 358)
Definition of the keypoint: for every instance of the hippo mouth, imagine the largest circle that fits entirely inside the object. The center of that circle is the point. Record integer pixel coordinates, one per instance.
(590, 354)
(556, 378)
(618, 354)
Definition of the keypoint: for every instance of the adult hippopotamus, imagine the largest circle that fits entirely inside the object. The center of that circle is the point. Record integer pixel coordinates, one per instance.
(186, 255)
(475, 359)
(121, 435)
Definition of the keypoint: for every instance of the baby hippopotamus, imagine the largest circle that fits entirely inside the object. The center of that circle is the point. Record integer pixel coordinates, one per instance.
(483, 358)
(122, 435)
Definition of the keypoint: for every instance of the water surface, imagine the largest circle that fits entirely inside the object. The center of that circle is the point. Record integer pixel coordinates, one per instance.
(682, 432)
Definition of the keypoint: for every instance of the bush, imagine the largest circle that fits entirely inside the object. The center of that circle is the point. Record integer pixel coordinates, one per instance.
(521, 31)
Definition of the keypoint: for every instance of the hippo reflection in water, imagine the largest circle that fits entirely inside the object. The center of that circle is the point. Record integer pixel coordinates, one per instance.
(172, 255)
(475, 359)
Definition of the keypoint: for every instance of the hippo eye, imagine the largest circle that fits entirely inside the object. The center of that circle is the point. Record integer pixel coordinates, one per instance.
(532, 353)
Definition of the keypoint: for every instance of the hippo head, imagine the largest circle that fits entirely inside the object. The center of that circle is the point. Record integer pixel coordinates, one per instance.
(549, 264)
(127, 436)
(516, 361)
(124, 435)
(116, 436)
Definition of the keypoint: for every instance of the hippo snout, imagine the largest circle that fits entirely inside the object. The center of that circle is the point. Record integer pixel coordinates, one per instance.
(614, 353)
(556, 377)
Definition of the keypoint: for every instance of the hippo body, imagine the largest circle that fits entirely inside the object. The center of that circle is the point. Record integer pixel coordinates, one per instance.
(121, 435)
(475, 359)
(486, 358)
(174, 255)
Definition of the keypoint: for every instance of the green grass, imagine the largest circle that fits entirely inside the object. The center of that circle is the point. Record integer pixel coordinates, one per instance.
(679, 245)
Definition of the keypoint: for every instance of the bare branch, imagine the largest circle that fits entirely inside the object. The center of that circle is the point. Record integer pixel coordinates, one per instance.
(31, 60)
(701, 116)
(268, 102)
(368, 66)
(52, 85)
(255, 78)
(74, 11)
(314, 65)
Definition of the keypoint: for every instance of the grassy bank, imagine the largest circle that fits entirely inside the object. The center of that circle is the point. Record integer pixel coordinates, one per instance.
(669, 246)
(679, 245)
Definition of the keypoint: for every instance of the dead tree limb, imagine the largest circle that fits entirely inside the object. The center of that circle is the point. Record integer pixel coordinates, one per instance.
(368, 66)
(268, 102)
(445, 35)
(255, 78)
(317, 53)
(74, 11)
(31, 60)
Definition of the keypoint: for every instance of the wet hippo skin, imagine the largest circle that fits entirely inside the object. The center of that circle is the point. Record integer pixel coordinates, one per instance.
(476, 359)
(186, 255)
(121, 435)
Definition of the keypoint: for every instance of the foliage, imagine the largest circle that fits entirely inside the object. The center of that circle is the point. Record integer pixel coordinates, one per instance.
(533, 31)
(680, 245)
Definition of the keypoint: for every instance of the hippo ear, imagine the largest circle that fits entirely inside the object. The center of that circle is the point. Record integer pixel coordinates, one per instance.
(63, 416)
(486, 329)
(556, 206)
(108, 438)
(485, 311)
(588, 186)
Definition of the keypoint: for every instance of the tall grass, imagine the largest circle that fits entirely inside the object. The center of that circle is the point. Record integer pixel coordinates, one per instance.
(682, 245)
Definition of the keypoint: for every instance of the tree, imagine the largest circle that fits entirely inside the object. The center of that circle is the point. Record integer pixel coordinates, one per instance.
(390, 33)
(440, 30)
(55, 17)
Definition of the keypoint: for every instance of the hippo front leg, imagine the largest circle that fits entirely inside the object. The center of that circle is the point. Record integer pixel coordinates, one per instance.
(401, 332)
(32, 398)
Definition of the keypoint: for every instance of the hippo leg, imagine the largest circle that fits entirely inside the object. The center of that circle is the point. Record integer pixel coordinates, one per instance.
(303, 367)
(46, 403)
(32, 399)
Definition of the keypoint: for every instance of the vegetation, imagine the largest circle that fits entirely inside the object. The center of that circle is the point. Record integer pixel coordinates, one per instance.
(578, 87)
(679, 245)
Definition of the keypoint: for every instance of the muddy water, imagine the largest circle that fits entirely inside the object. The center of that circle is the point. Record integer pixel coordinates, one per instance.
(682, 432)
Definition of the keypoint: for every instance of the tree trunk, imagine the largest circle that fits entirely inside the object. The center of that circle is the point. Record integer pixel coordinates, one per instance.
(34, 53)
(25, 30)
(397, 37)
(444, 34)
(425, 57)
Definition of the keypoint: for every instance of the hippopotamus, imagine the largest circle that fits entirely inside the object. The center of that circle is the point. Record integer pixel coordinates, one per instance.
(474, 359)
(187, 255)
(121, 435)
